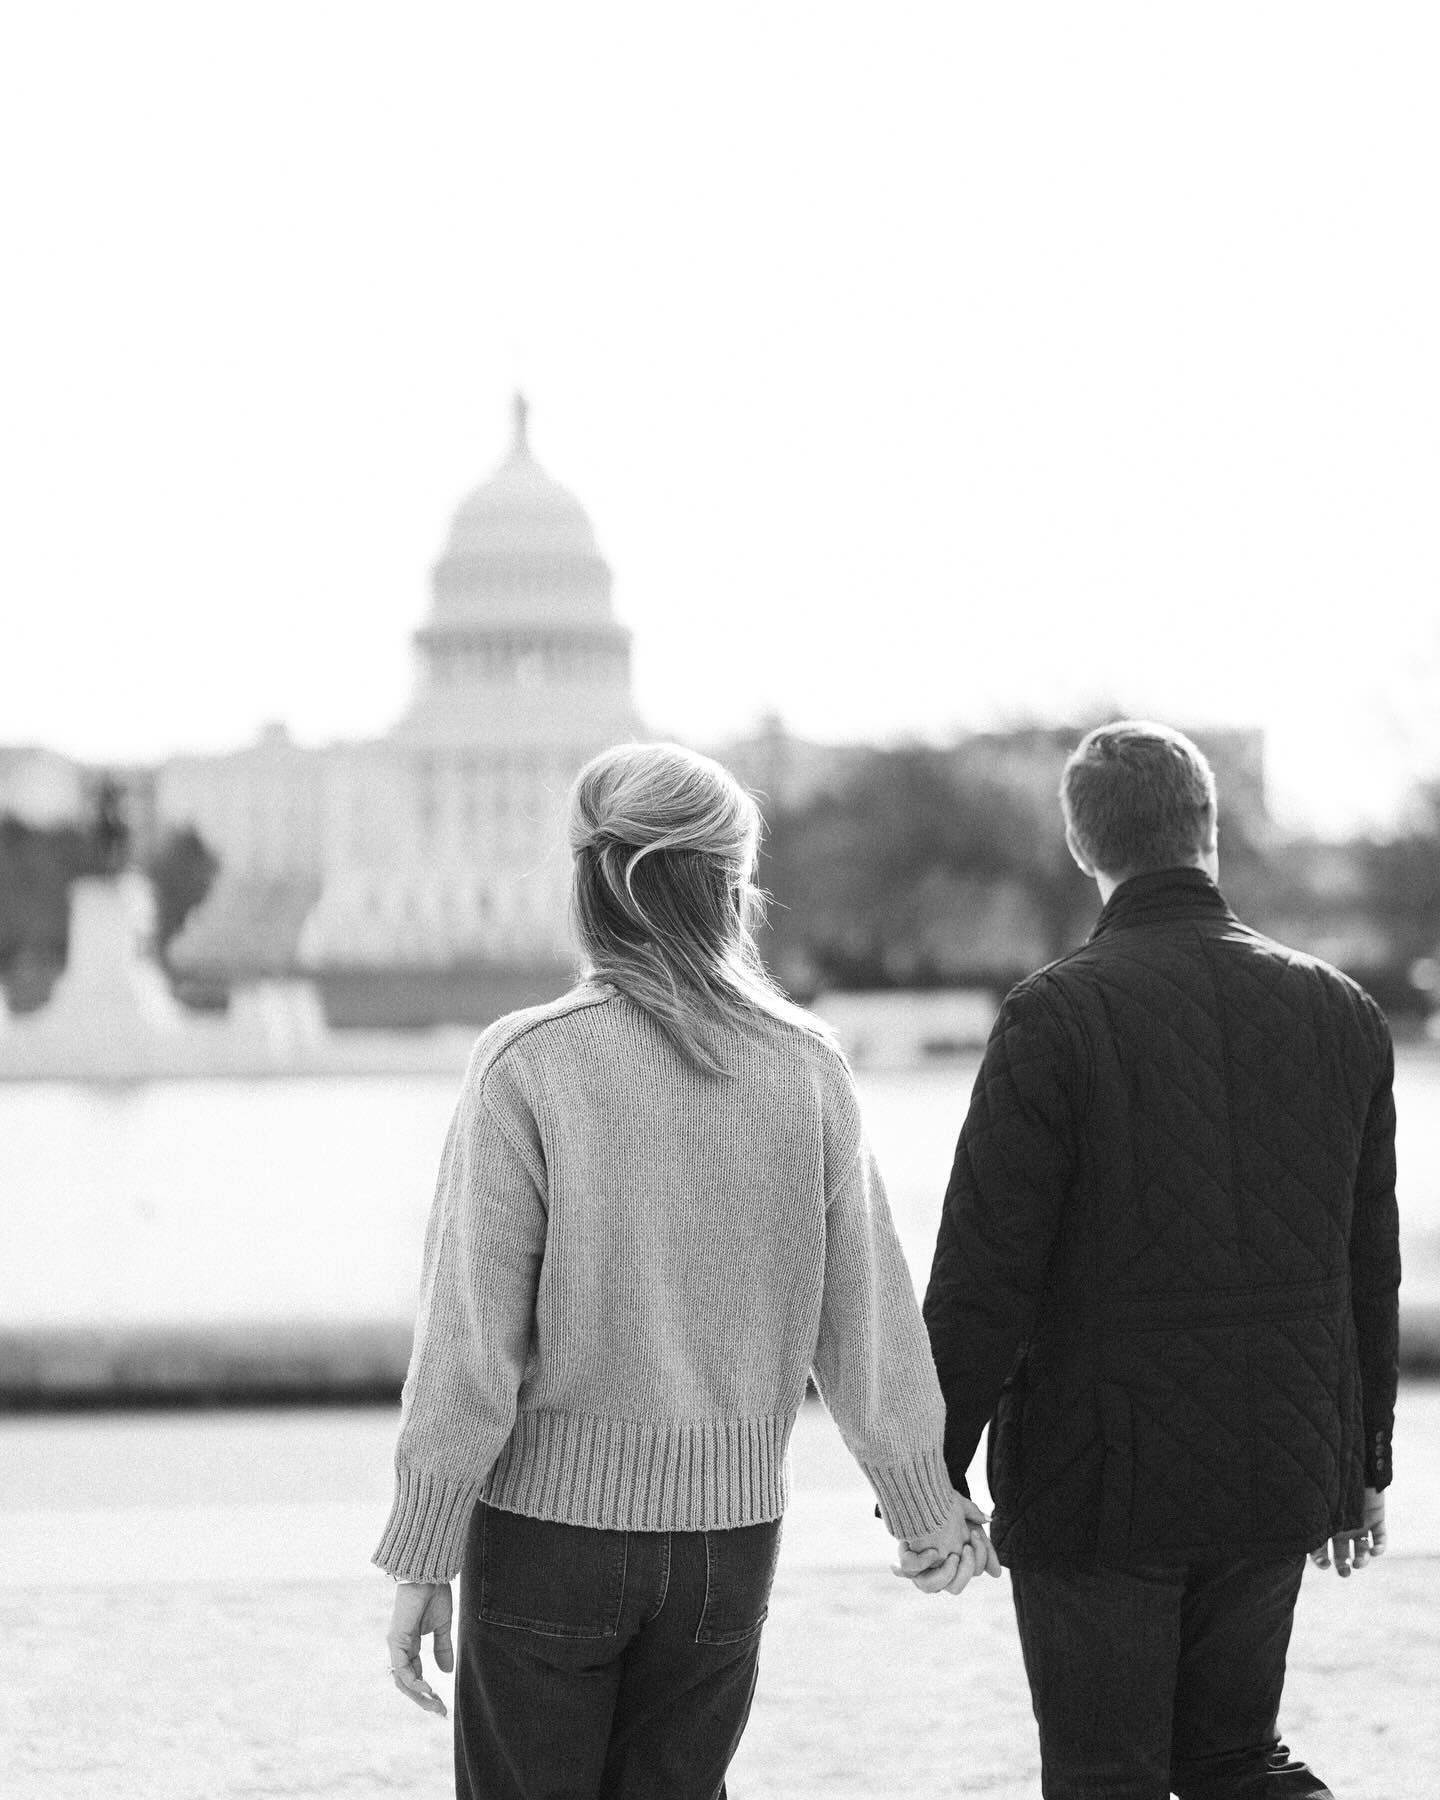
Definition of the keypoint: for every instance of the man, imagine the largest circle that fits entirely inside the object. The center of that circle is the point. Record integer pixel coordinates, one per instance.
(1167, 1276)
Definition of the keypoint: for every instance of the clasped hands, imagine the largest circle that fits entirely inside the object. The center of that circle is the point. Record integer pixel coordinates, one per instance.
(948, 1560)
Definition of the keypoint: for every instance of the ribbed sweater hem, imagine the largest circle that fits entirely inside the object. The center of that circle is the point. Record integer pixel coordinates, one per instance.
(644, 1475)
(634, 1475)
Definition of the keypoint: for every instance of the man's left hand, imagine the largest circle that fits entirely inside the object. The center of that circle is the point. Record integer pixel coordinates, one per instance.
(1353, 1549)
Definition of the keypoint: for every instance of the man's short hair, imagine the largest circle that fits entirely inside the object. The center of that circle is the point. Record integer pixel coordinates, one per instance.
(1138, 796)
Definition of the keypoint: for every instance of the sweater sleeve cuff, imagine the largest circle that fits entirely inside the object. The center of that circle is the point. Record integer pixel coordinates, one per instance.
(914, 1496)
(424, 1537)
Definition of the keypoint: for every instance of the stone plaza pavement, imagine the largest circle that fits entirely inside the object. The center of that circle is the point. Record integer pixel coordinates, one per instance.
(185, 1614)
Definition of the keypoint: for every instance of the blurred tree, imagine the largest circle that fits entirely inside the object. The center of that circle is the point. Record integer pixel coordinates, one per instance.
(182, 869)
(933, 866)
(883, 882)
(37, 865)
(1037, 857)
(1403, 880)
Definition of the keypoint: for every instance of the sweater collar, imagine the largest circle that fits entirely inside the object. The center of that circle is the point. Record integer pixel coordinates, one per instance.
(1161, 897)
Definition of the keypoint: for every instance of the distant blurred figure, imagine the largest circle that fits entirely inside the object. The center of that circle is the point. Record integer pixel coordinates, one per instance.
(111, 828)
(656, 1213)
(1167, 1275)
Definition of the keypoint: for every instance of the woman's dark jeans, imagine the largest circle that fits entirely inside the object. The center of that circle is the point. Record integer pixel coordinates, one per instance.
(1148, 1682)
(605, 1665)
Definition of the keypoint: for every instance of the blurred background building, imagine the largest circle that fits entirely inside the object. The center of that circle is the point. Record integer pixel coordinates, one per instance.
(420, 877)
(324, 896)
(424, 872)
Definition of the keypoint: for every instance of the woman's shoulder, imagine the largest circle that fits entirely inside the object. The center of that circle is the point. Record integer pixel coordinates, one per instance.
(808, 1048)
(516, 1031)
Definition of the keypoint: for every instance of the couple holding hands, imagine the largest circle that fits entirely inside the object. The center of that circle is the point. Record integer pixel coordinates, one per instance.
(1166, 1279)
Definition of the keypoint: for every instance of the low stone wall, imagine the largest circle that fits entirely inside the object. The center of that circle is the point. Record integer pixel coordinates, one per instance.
(367, 999)
(202, 1365)
(236, 1364)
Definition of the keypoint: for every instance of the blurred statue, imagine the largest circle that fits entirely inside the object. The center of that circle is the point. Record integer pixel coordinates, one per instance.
(111, 828)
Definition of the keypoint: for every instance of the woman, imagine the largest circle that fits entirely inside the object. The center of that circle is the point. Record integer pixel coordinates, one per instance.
(655, 1215)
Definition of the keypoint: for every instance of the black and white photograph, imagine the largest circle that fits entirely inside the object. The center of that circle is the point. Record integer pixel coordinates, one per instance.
(719, 901)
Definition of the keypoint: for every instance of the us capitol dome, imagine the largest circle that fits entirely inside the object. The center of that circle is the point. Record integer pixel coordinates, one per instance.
(441, 843)
(521, 648)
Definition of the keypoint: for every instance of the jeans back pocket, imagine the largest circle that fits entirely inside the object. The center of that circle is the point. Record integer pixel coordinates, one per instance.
(739, 1569)
(565, 1581)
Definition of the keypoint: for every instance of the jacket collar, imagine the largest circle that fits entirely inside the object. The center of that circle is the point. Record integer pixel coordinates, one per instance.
(1162, 897)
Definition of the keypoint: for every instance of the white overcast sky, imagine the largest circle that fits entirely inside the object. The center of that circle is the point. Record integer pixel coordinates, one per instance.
(921, 366)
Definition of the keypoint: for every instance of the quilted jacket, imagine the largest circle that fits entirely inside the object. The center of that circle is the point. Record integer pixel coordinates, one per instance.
(1168, 1262)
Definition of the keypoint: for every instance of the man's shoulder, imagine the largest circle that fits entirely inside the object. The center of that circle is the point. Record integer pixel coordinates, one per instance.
(1342, 991)
(1263, 970)
(1045, 1004)
(1051, 988)
(1260, 943)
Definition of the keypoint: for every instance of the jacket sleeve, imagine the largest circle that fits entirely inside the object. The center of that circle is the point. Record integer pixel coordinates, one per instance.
(871, 1362)
(1375, 1272)
(483, 1248)
(1014, 1166)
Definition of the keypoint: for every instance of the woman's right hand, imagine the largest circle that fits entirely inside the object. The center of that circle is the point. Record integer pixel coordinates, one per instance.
(421, 1607)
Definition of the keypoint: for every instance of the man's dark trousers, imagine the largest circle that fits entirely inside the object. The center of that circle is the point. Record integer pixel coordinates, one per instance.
(1148, 1682)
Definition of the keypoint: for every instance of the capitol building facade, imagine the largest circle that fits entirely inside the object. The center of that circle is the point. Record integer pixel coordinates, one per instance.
(441, 843)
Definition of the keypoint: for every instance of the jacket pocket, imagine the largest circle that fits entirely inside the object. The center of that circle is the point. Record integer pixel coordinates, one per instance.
(739, 1569)
(563, 1581)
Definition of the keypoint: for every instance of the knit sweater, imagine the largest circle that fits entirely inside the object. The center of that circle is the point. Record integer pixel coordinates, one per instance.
(629, 1269)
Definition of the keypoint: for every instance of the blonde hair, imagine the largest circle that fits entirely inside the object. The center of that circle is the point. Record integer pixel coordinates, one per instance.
(666, 846)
